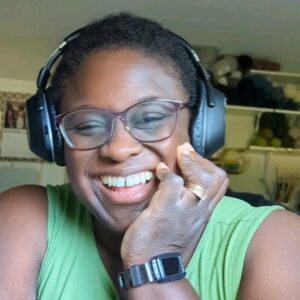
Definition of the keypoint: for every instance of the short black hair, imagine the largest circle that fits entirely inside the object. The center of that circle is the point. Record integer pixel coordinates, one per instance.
(126, 30)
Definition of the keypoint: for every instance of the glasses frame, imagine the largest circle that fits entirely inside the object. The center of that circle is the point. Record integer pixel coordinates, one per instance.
(122, 116)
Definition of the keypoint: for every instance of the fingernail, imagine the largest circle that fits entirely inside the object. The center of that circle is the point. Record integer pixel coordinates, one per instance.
(186, 148)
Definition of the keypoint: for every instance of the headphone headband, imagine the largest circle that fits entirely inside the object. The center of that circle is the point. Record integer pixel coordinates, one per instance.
(203, 74)
(45, 140)
(44, 73)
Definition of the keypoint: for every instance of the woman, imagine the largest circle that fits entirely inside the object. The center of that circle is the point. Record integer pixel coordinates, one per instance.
(138, 189)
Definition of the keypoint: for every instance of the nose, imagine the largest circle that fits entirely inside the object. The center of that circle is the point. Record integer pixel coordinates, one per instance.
(121, 145)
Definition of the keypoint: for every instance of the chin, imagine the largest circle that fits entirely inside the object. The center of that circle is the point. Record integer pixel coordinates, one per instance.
(117, 224)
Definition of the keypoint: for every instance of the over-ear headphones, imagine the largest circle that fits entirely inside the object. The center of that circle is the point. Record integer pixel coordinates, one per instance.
(207, 128)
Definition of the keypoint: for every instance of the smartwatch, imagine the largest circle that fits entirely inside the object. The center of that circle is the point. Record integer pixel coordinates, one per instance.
(161, 268)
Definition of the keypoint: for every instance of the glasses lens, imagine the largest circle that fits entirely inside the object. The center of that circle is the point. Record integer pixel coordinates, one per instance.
(86, 128)
(147, 121)
(153, 120)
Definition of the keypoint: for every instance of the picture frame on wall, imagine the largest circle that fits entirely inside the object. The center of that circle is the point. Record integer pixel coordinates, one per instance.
(15, 117)
(12, 108)
(13, 137)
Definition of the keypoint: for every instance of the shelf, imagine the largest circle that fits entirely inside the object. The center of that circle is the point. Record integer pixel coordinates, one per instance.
(251, 110)
(274, 149)
(263, 149)
(21, 159)
(279, 77)
(14, 130)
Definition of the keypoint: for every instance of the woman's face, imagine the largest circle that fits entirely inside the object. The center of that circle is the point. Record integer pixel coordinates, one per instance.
(114, 80)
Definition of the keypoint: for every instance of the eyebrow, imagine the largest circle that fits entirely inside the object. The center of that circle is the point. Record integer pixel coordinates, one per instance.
(142, 99)
(147, 98)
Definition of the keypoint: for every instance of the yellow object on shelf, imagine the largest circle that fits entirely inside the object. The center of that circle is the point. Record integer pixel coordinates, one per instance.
(233, 161)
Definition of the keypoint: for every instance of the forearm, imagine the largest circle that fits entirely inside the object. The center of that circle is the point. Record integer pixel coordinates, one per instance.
(179, 290)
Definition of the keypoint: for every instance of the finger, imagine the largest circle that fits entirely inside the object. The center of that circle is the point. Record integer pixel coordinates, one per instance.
(194, 167)
(218, 186)
(189, 197)
(219, 195)
(203, 176)
(197, 190)
(171, 185)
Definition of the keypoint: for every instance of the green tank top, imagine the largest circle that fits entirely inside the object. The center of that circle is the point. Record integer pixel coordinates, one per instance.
(72, 268)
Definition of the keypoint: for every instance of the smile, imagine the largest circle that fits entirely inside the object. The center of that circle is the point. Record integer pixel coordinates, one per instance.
(131, 180)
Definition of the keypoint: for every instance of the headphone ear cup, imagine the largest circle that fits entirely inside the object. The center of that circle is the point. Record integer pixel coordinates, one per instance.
(207, 128)
(198, 124)
(38, 126)
(215, 123)
(43, 139)
(56, 135)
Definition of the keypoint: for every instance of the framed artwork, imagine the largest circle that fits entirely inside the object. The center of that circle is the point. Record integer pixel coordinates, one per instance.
(13, 138)
(15, 115)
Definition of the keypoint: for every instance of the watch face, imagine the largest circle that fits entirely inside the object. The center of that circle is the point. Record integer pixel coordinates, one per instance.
(171, 265)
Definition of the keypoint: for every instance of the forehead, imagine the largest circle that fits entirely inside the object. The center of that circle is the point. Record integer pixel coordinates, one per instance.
(116, 79)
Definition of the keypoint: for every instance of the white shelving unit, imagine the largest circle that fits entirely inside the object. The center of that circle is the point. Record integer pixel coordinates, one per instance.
(241, 121)
(240, 126)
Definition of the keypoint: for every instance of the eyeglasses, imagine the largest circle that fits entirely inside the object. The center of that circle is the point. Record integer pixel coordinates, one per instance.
(147, 121)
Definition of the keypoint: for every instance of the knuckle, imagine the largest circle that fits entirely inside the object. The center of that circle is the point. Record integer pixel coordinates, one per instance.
(197, 157)
(171, 187)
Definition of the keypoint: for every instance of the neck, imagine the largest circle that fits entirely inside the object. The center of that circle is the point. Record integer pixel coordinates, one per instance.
(107, 239)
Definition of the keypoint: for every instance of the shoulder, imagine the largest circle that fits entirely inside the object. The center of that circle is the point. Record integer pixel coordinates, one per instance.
(23, 239)
(278, 236)
(25, 196)
(31, 198)
(25, 208)
(272, 266)
(23, 193)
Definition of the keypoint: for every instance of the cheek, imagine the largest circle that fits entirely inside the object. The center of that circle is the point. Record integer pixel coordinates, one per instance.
(75, 163)
(78, 163)
(182, 128)
(180, 136)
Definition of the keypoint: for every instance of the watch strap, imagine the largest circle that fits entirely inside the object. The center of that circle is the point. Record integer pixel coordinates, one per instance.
(153, 271)
(136, 275)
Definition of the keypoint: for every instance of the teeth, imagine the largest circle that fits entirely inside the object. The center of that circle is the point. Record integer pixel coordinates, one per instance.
(130, 180)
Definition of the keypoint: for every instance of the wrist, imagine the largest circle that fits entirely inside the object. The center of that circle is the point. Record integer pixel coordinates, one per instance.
(161, 268)
(135, 261)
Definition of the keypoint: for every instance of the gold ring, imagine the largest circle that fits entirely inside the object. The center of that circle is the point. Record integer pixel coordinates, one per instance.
(197, 190)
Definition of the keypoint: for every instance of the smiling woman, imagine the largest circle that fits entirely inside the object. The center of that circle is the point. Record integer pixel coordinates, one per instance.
(131, 114)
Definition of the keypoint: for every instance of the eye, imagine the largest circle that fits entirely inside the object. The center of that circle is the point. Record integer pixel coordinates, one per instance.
(90, 128)
(150, 120)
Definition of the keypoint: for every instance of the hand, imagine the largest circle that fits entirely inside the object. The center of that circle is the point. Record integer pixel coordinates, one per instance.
(175, 217)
